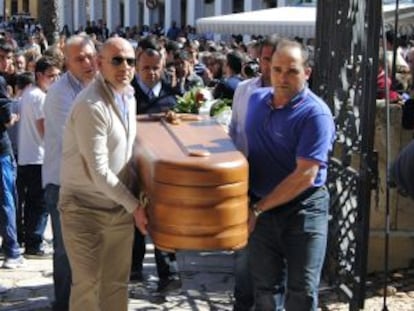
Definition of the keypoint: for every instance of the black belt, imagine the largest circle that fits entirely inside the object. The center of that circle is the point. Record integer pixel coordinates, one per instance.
(302, 196)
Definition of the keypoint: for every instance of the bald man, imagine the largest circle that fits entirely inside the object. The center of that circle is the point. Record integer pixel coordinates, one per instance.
(97, 207)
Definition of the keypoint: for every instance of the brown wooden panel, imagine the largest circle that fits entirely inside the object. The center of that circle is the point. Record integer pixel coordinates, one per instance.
(201, 218)
(161, 153)
(205, 174)
(232, 238)
(185, 195)
(197, 202)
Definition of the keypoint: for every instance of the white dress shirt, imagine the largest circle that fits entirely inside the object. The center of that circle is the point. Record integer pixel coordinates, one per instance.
(58, 104)
(239, 111)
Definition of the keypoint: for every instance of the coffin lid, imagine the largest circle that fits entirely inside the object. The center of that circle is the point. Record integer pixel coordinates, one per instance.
(191, 153)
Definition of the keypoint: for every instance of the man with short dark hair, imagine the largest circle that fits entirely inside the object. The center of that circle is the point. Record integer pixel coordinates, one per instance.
(30, 150)
(20, 62)
(186, 77)
(171, 47)
(153, 95)
(232, 72)
(290, 132)
(400, 63)
(192, 48)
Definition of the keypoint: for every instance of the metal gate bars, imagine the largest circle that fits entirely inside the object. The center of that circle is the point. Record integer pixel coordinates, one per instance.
(346, 60)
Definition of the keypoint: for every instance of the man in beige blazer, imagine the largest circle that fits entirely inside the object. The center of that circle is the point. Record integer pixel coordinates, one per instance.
(97, 207)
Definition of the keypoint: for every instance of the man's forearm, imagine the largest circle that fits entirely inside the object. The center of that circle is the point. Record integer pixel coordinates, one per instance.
(40, 126)
(292, 186)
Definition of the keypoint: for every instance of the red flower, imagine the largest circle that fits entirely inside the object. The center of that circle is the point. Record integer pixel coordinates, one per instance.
(200, 98)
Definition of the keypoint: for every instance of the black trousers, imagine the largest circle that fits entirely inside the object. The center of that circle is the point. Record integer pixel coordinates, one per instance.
(31, 209)
(166, 262)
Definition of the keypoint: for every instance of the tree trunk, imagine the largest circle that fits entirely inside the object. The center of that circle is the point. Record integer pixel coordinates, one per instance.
(48, 18)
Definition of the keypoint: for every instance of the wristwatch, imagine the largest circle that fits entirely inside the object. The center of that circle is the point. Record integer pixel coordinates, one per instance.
(256, 211)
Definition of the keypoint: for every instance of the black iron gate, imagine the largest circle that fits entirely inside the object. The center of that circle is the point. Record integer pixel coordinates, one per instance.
(346, 60)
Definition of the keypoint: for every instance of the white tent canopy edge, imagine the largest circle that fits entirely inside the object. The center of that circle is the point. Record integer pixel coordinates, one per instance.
(285, 21)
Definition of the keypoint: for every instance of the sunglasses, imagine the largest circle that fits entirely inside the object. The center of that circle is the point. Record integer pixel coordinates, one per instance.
(119, 60)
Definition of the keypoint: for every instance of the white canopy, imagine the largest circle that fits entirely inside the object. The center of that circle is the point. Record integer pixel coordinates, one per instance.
(286, 21)
(405, 17)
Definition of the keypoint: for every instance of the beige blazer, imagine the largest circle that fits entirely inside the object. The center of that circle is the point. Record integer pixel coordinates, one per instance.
(97, 149)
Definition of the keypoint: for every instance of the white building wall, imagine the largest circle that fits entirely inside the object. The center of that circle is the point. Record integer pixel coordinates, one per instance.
(172, 11)
(95, 10)
(195, 9)
(2, 7)
(73, 15)
(113, 16)
(79, 16)
(131, 13)
(68, 14)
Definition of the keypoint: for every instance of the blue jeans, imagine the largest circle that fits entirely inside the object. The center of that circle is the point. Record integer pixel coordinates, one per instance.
(8, 207)
(287, 250)
(243, 287)
(61, 270)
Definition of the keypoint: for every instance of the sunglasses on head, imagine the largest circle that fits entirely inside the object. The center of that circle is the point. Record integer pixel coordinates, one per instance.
(119, 60)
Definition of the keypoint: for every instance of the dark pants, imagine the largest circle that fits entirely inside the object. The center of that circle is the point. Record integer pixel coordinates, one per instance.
(243, 283)
(8, 229)
(166, 262)
(138, 251)
(61, 270)
(31, 208)
(287, 250)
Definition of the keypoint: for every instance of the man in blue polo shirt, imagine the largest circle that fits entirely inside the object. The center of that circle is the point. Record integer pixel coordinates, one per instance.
(290, 132)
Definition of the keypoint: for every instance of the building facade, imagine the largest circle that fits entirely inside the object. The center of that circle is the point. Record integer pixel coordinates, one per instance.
(10, 8)
(128, 13)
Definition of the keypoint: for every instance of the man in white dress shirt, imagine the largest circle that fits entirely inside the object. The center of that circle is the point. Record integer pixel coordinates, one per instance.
(80, 63)
(243, 289)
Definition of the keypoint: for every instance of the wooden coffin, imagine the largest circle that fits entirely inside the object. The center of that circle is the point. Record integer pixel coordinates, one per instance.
(197, 184)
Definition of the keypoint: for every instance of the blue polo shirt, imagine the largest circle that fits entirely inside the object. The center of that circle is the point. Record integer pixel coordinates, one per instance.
(304, 128)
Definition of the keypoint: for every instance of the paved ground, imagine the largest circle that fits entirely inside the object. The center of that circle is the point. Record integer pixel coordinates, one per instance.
(207, 285)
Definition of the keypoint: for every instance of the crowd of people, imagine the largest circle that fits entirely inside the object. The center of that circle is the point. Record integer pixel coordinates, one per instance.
(399, 82)
(67, 114)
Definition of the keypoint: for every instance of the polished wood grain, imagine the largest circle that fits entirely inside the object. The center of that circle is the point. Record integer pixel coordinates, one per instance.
(197, 183)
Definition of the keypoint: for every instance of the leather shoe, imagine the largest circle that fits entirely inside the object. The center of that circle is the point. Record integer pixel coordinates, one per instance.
(169, 284)
(136, 276)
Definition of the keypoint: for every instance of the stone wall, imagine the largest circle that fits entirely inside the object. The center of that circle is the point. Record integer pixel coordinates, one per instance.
(401, 209)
